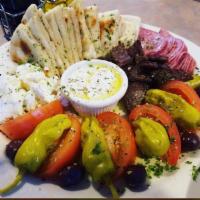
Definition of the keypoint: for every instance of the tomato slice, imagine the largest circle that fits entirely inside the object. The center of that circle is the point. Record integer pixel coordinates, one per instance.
(120, 139)
(158, 114)
(65, 152)
(21, 127)
(185, 91)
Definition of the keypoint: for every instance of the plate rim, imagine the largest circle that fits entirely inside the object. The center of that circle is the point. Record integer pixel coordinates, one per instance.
(151, 27)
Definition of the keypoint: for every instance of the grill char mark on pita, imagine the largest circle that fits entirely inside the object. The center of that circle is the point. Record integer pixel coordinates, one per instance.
(24, 47)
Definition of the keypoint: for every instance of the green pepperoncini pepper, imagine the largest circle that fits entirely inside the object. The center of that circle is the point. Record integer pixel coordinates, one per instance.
(151, 137)
(36, 147)
(49, 4)
(195, 82)
(183, 113)
(96, 156)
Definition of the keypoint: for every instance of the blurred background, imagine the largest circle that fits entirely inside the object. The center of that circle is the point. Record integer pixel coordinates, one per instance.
(179, 16)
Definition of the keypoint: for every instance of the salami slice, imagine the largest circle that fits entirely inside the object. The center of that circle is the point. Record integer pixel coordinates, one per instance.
(162, 43)
(185, 62)
(191, 66)
(170, 42)
(152, 42)
(178, 48)
(177, 59)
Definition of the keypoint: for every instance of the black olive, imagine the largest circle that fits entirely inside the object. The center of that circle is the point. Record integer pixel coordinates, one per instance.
(189, 142)
(136, 178)
(70, 175)
(198, 91)
(12, 148)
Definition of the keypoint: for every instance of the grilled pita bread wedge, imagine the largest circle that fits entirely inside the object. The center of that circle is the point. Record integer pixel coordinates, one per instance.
(30, 12)
(53, 44)
(33, 11)
(63, 29)
(92, 21)
(24, 47)
(131, 29)
(42, 36)
(110, 30)
(57, 37)
(77, 33)
(88, 47)
(71, 32)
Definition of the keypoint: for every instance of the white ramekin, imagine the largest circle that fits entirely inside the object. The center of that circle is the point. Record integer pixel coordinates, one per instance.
(94, 107)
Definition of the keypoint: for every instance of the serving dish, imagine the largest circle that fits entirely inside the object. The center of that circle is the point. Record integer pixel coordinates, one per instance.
(176, 185)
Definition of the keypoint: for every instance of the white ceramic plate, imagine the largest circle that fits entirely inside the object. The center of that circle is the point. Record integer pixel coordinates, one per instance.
(177, 185)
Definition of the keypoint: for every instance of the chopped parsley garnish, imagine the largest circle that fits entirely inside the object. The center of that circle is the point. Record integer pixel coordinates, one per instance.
(156, 167)
(195, 172)
(188, 162)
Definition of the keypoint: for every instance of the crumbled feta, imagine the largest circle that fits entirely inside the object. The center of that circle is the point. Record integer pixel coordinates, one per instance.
(36, 81)
(30, 101)
(25, 90)
(11, 105)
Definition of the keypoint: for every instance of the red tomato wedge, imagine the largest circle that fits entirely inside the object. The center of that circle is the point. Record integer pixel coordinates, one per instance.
(120, 139)
(21, 127)
(185, 91)
(159, 115)
(65, 152)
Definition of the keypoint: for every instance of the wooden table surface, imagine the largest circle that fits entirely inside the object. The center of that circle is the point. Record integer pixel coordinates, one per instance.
(179, 16)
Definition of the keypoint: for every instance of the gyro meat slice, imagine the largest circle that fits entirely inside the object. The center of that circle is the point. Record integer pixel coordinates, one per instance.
(135, 95)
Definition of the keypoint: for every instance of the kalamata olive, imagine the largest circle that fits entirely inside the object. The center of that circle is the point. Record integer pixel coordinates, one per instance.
(198, 91)
(189, 142)
(70, 175)
(12, 148)
(136, 178)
